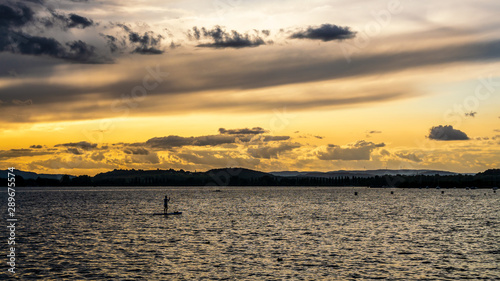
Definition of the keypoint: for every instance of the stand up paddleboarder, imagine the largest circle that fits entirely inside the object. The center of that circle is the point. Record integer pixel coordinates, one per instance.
(165, 204)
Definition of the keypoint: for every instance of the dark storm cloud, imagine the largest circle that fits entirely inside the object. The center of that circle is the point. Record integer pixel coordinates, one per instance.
(359, 151)
(76, 51)
(83, 145)
(148, 43)
(253, 131)
(79, 21)
(16, 16)
(222, 39)
(36, 146)
(12, 39)
(18, 42)
(446, 133)
(67, 21)
(268, 152)
(12, 17)
(325, 32)
(35, 45)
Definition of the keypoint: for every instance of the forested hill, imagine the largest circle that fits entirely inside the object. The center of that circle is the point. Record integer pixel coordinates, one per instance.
(246, 177)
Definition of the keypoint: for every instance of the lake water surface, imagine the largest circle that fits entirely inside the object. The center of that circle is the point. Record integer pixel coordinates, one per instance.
(255, 233)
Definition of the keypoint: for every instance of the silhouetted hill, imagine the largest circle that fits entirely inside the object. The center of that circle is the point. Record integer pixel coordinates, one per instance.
(225, 176)
(363, 173)
(149, 177)
(247, 177)
(31, 175)
(239, 172)
(491, 172)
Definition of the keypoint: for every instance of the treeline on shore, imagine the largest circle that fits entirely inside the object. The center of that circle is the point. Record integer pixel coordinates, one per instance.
(245, 177)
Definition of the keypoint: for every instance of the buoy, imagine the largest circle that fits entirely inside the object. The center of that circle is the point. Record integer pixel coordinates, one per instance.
(355, 193)
(442, 192)
(392, 192)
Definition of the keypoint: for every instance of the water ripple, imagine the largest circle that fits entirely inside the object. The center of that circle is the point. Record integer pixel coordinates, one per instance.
(257, 233)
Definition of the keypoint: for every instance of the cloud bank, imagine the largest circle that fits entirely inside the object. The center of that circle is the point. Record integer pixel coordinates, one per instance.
(360, 150)
(268, 152)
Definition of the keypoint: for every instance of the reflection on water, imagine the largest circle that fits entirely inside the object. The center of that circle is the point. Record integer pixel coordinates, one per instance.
(268, 233)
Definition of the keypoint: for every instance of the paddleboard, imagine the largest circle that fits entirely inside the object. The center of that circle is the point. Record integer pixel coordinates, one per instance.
(167, 214)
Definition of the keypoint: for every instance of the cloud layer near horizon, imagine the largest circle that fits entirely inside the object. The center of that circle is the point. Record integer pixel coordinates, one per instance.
(343, 70)
(252, 148)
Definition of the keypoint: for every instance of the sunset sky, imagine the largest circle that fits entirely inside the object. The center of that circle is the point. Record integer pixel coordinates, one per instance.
(90, 86)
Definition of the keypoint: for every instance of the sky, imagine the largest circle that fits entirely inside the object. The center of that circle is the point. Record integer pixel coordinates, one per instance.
(90, 86)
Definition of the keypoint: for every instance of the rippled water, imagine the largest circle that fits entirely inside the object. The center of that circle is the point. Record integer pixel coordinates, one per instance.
(261, 233)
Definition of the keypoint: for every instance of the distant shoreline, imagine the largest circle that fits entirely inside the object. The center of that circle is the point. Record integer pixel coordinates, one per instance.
(246, 177)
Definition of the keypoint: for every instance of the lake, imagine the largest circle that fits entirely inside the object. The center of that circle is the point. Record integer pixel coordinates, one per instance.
(255, 233)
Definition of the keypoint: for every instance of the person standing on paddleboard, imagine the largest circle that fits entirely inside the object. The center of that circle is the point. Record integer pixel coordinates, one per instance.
(165, 204)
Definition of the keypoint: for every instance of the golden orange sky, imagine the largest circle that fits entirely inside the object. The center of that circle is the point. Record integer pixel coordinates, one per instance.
(87, 87)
